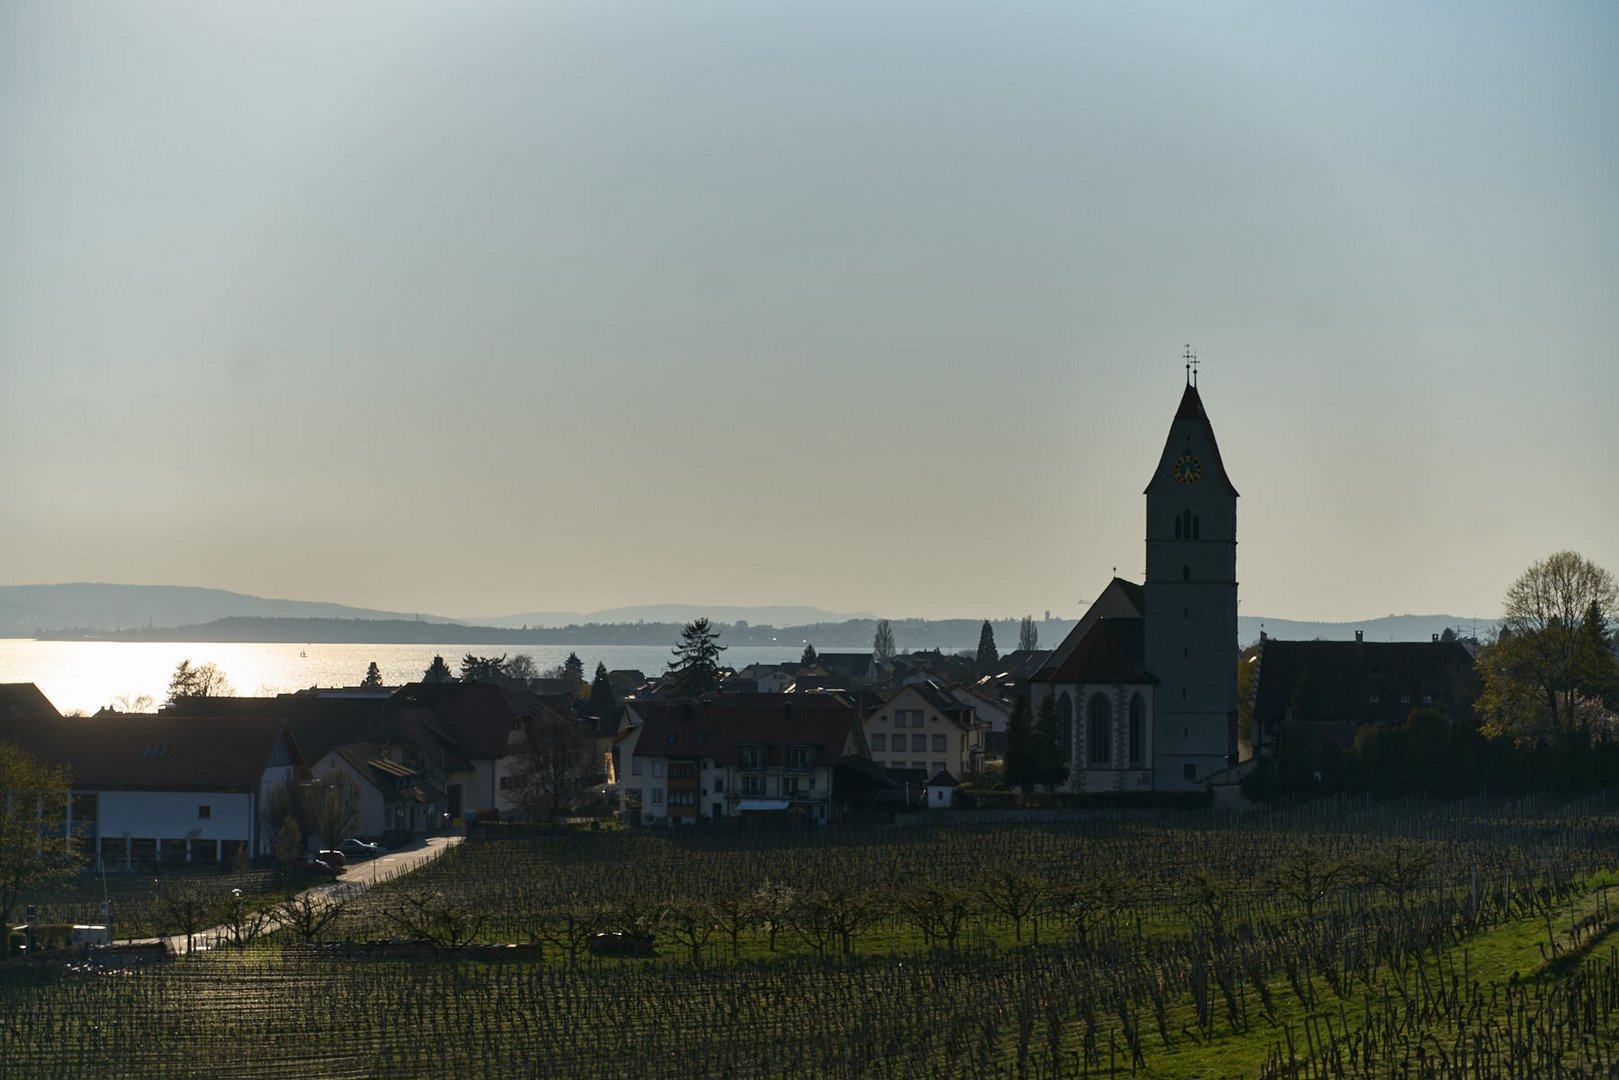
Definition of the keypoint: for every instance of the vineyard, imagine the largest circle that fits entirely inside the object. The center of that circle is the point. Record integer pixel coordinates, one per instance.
(1353, 939)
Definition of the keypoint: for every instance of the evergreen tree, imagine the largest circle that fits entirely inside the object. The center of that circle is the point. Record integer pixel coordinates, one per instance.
(438, 671)
(882, 642)
(573, 673)
(989, 660)
(602, 699)
(483, 668)
(1021, 763)
(809, 658)
(1050, 768)
(1028, 635)
(373, 677)
(695, 670)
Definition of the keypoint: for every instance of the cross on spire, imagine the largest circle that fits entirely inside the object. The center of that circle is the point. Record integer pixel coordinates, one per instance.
(1191, 366)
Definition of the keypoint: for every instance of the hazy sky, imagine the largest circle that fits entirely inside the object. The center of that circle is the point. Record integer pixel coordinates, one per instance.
(475, 308)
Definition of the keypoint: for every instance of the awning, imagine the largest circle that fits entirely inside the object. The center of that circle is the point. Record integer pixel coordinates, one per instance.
(762, 804)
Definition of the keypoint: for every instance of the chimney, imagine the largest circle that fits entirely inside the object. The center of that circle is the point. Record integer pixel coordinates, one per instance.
(1360, 635)
(1436, 637)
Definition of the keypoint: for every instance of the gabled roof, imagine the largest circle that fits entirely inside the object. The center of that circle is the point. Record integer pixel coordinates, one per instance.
(477, 717)
(1336, 680)
(318, 721)
(24, 699)
(1108, 653)
(854, 665)
(957, 712)
(1121, 599)
(163, 751)
(716, 728)
(942, 778)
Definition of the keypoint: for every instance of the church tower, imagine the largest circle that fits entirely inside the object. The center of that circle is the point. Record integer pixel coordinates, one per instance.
(1191, 602)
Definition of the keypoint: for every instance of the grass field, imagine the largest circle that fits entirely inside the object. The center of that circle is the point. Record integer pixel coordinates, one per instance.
(1406, 939)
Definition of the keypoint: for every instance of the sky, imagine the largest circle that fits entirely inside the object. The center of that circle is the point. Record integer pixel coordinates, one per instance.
(492, 307)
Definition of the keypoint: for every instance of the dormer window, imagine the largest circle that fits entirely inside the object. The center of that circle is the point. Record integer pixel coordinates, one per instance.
(750, 758)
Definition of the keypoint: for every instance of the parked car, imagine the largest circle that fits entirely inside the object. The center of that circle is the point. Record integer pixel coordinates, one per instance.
(333, 858)
(314, 864)
(355, 848)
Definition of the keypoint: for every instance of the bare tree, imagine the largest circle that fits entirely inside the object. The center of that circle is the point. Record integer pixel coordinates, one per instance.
(197, 681)
(557, 764)
(307, 914)
(882, 642)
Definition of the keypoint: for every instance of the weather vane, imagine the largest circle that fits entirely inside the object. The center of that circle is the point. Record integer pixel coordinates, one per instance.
(1191, 366)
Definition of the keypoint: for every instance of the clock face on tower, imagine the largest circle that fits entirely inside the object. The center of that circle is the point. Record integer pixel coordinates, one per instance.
(1187, 469)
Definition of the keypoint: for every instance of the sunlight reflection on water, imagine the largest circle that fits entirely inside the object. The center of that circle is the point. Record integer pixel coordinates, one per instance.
(85, 675)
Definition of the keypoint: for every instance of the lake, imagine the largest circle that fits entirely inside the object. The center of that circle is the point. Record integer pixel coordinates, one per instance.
(85, 675)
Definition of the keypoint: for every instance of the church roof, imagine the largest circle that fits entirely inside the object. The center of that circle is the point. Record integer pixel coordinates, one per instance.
(1110, 652)
(1120, 600)
(1191, 411)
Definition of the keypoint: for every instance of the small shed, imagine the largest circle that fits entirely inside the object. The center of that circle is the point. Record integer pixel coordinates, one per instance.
(941, 791)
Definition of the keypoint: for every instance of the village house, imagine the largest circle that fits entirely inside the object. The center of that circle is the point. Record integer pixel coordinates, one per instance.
(164, 788)
(732, 756)
(1326, 691)
(922, 727)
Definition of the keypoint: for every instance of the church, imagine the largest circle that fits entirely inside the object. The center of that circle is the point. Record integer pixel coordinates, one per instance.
(1145, 685)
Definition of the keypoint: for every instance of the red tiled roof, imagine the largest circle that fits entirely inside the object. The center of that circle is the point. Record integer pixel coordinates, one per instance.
(161, 751)
(1100, 657)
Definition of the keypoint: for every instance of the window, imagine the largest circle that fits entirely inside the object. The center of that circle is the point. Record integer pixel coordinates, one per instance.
(920, 765)
(657, 768)
(510, 781)
(1374, 699)
(1196, 531)
(657, 796)
(719, 785)
(1189, 771)
(1186, 573)
(682, 770)
(879, 742)
(751, 758)
(801, 758)
(682, 798)
(752, 786)
(919, 743)
(204, 813)
(1098, 731)
(1065, 728)
(635, 766)
(158, 750)
(907, 717)
(939, 744)
(1138, 725)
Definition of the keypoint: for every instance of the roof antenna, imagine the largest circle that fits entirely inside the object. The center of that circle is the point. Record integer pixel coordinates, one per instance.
(1191, 366)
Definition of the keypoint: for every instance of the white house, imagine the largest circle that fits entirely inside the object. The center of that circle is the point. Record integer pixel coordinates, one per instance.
(164, 788)
(922, 727)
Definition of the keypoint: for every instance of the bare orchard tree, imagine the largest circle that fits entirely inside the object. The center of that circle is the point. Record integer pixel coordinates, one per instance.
(557, 764)
(307, 914)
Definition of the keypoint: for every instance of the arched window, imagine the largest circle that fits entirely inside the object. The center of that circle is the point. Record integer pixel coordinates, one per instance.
(1138, 726)
(1065, 728)
(1099, 731)
(1186, 524)
(1196, 527)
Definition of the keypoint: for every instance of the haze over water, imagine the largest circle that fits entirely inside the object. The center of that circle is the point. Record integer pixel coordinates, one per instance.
(85, 675)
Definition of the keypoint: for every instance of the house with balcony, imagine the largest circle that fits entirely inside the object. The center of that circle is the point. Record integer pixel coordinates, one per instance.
(920, 726)
(736, 756)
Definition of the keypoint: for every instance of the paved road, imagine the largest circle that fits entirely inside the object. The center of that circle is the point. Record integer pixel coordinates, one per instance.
(354, 879)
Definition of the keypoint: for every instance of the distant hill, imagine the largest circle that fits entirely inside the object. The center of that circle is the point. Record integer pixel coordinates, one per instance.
(673, 613)
(1386, 628)
(25, 609)
(181, 613)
